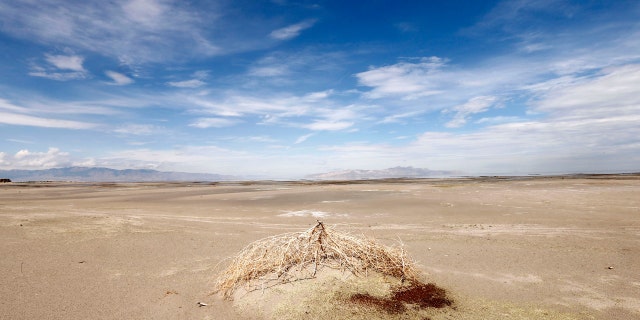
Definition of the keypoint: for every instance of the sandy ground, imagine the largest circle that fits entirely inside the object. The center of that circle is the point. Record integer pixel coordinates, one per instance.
(504, 248)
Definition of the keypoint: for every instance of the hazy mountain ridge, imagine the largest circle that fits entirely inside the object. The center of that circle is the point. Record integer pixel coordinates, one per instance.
(98, 174)
(395, 172)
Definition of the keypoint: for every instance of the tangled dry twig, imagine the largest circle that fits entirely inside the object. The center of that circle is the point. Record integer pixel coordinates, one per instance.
(295, 256)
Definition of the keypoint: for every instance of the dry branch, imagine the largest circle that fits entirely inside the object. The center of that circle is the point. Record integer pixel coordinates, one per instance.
(295, 256)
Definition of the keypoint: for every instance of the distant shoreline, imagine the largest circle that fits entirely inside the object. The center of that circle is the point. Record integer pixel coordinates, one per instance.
(482, 178)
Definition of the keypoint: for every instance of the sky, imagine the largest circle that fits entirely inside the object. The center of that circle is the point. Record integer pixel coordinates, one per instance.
(283, 89)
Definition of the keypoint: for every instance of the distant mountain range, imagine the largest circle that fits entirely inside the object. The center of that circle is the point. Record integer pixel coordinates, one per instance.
(396, 172)
(96, 174)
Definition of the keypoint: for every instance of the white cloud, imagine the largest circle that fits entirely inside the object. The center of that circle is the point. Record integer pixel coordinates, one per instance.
(613, 90)
(308, 65)
(303, 138)
(269, 71)
(131, 31)
(328, 125)
(193, 83)
(35, 113)
(537, 146)
(514, 16)
(552, 60)
(199, 158)
(145, 12)
(201, 74)
(317, 111)
(318, 95)
(73, 63)
(6, 105)
(473, 106)
(263, 139)
(333, 119)
(137, 129)
(59, 76)
(26, 120)
(590, 125)
(25, 159)
(240, 104)
(409, 80)
(498, 120)
(197, 81)
(534, 47)
(399, 117)
(118, 78)
(214, 123)
(33, 104)
(291, 31)
(275, 64)
(60, 68)
(20, 141)
(277, 162)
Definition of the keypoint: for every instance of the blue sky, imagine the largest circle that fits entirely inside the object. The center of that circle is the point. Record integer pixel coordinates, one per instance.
(281, 89)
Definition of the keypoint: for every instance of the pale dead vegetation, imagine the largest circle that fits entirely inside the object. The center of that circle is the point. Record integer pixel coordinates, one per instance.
(296, 256)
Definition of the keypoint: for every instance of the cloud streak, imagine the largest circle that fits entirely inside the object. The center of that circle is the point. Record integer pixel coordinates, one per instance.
(214, 123)
(473, 106)
(118, 79)
(292, 31)
(60, 68)
(193, 83)
(26, 120)
(132, 31)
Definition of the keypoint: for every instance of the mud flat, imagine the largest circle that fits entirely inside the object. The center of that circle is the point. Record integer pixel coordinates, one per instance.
(519, 248)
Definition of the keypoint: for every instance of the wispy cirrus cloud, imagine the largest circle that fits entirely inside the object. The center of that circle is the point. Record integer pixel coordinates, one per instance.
(303, 138)
(522, 18)
(611, 91)
(306, 66)
(430, 84)
(328, 125)
(408, 80)
(473, 106)
(118, 78)
(18, 115)
(274, 105)
(60, 67)
(131, 31)
(571, 133)
(193, 83)
(400, 117)
(197, 80)
(269, 70)
(292, 31)
(32, 121)
(539, 60)
(330, 119)
(138, 129)
(136, 32)
(317, 111)
(214, 122)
